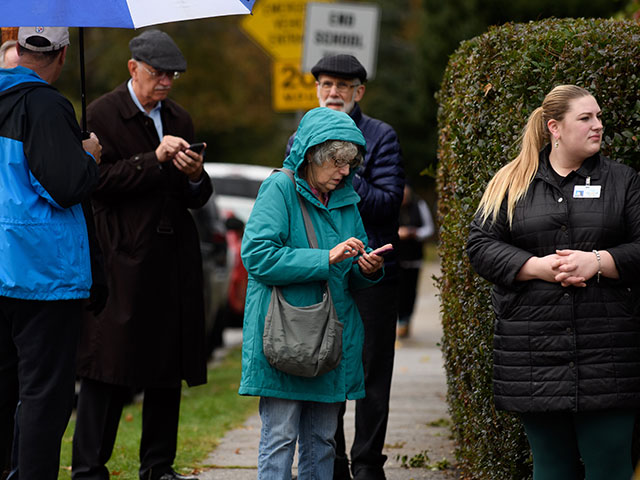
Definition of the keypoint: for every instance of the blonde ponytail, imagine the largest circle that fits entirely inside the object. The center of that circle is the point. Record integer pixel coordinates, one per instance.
(514, 178)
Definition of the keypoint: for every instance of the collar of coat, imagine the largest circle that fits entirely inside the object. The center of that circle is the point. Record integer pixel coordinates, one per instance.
(356, 113)
(128, 108)
(589, 168)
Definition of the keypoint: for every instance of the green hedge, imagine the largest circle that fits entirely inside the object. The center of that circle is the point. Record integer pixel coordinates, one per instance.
(491, 85)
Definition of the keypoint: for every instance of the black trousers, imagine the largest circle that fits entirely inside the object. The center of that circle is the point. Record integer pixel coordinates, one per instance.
(8, 402)
(38, 342)
(407, 291)
(379, 312)
(98, 415)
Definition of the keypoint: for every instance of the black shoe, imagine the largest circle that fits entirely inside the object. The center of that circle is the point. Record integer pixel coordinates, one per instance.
(172, 475)
(341, 469)
(368, 473)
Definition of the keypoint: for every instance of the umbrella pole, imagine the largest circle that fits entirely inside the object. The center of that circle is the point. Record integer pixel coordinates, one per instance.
(83, 98)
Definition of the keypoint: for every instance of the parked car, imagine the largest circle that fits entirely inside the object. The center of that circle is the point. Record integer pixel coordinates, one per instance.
(216, 268)
(236, 187)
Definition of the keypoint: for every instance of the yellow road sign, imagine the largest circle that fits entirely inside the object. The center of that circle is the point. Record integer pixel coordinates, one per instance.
(278, 26)
(291, 89)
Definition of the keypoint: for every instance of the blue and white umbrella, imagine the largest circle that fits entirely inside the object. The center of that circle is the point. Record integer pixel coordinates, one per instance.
(113, 13)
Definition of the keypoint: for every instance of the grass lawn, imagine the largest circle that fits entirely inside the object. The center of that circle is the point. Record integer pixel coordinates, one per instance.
(206, 413)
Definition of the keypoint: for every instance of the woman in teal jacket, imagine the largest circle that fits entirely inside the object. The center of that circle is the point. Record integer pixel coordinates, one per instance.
(275, 251)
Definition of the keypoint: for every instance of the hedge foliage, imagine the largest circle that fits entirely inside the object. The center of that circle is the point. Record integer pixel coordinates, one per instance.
(491, 85)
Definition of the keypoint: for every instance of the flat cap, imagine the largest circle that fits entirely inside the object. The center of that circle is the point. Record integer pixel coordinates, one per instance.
(158, 49)
(343, 66)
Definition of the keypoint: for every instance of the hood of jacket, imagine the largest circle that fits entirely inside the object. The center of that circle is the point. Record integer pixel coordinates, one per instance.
(14, 83)
(318, 126)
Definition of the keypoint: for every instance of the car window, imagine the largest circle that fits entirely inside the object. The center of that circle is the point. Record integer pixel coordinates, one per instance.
(240, 187)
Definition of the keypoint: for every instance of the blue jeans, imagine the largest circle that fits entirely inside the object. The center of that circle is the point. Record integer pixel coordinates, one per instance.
(311, 424)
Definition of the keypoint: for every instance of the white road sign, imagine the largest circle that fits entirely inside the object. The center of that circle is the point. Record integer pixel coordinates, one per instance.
(337, 28)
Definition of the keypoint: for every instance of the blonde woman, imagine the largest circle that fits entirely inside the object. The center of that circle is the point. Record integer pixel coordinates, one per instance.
(558, 234)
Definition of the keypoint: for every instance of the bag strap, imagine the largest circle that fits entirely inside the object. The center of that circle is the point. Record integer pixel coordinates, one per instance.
(308, 226)
(311, 233)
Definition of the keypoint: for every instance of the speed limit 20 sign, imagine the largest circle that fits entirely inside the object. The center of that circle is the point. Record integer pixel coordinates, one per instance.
(291, 89)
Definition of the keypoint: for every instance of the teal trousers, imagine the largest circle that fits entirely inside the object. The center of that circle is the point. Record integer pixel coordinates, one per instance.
(602, 439)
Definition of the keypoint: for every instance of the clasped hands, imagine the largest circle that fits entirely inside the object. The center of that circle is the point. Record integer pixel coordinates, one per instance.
(350, 249)
(570, 267)
(176, 149)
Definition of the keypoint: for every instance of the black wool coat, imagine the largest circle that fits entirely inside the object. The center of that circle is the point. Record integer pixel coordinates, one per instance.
(565, 348)
(151, 333)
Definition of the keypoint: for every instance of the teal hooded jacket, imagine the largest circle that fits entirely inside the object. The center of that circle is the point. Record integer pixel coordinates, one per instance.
(275, 251)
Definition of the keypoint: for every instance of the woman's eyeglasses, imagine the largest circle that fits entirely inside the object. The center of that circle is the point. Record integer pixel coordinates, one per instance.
(353, 163)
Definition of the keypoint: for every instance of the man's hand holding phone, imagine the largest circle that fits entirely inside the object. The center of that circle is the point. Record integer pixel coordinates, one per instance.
(190, 160)
(197, 147)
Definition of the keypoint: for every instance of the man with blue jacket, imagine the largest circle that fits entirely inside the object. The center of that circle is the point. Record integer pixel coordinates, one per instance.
(340, 82)
(45, 270)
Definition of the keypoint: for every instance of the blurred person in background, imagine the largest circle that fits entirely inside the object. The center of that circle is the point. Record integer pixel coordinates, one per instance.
(150, 336)
(416, 226)
(9, 54)
(46, 171)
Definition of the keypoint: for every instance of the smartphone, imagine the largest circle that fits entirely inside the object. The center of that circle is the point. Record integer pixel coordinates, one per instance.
(381, 251)
(197, 147)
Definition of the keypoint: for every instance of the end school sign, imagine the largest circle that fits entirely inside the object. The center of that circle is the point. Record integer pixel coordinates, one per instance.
(335, 28)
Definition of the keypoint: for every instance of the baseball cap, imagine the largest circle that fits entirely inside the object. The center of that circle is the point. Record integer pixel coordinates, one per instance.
(43, 39)
(158, 49)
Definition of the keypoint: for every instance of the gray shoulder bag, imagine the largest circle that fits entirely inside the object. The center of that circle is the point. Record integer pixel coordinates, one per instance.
(303, 341)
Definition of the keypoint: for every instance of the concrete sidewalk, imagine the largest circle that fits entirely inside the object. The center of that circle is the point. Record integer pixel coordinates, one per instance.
(418, 419)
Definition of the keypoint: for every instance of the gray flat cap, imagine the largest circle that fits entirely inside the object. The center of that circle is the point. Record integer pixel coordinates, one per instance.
(343, 66)
(157, 49)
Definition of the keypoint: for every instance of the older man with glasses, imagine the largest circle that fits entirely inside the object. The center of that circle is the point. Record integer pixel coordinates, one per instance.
(150, 336)
(340, 81)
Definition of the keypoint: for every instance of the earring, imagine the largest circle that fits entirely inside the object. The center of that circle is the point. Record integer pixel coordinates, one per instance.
(556, 143)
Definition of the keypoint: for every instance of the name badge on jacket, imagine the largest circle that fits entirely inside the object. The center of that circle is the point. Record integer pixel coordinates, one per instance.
(586, 191)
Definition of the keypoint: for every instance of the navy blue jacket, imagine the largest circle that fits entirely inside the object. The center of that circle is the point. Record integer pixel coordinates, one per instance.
(380, 184)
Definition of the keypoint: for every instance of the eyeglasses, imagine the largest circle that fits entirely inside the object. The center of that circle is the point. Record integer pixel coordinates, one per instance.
(161, 73)
(341, 162)
(341, 87)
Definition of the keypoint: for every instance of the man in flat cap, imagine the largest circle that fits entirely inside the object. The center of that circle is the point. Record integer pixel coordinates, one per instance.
(150, 336)
(46, 171)
(340, 82)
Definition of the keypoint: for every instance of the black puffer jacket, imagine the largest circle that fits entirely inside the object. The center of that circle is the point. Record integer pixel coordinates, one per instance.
(557, 348)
